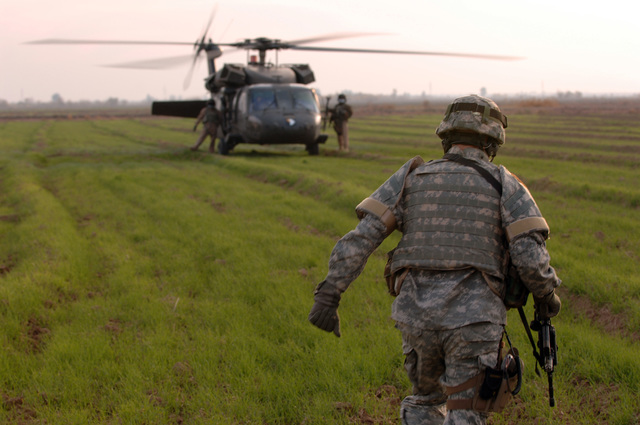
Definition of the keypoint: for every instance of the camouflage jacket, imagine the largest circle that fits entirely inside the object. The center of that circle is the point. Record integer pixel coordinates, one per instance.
(444, 298)
(341, 113)
(209, 116)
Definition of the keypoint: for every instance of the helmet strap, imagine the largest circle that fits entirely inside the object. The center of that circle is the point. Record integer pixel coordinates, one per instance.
(490, 148)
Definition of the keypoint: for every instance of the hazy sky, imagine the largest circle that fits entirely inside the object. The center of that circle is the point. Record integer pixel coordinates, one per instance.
(568, 45)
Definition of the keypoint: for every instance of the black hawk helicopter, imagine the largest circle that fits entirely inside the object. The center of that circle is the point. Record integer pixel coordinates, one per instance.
(261, 102)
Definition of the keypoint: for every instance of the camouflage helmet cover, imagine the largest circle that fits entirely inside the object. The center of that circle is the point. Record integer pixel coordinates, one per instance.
(476, 114)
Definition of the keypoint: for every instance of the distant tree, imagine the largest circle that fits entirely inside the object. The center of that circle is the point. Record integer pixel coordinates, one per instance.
(57, 99)
(483, 92)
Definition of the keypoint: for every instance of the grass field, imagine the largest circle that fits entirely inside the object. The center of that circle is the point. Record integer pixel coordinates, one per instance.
(142, 283)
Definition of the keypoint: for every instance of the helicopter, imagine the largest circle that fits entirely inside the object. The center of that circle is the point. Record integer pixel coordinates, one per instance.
(261, 102)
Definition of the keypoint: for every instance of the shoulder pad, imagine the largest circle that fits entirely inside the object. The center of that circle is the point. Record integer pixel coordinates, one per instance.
(382, 202)
(520, 213)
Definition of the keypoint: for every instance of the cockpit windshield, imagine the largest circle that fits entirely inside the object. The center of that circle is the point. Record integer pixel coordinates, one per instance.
(286, 97)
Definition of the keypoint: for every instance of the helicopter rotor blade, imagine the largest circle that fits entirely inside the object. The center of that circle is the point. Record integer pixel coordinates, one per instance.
(333, 36)
(106, 42)
(404, 52)
(199, 46)
(160, 63)
(211, 17)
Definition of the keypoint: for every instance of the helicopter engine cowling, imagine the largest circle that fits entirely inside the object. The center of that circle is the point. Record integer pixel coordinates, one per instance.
(237, 75)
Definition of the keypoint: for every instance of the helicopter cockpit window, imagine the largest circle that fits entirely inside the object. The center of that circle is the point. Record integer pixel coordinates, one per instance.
(283, 98)
(305, 99)
(262, 98)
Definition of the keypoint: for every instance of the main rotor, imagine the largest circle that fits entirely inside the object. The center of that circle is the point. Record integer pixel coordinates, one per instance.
(212, 50)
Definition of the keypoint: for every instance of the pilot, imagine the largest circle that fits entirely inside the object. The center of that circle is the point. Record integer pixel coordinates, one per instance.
(461, 217)
(340, 115)
(211, 118)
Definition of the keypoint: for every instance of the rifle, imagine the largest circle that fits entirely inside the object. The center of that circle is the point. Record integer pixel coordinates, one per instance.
(547, 358)
(326, 114)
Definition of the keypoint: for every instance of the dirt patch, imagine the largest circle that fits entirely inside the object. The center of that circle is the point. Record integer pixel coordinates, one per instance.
(11, 218)
(600, 315)
(7, 265)
(386, 401)
(34, 334)
(18, 411)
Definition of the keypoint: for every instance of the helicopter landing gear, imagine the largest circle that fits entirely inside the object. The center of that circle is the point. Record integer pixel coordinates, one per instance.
(313, 148)
(226, 144)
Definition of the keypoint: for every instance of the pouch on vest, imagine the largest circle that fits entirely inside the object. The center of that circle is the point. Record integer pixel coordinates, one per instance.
(394, 280)
(516, 293)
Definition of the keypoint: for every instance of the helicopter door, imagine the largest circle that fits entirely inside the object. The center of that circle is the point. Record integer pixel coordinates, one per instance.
(240, 108)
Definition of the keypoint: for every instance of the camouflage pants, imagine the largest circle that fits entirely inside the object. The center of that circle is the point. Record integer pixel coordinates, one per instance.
(342, 130)
(435, 359)
(207, 130)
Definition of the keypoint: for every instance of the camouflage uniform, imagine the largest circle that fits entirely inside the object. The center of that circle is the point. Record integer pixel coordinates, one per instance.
(449, 307)
(211, 118)
(340, 115)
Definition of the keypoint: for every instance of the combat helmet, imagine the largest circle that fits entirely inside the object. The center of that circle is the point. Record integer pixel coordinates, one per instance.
(342, 98)
(473, 114)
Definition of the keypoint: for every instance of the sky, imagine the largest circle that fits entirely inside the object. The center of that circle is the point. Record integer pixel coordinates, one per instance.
(566, 45)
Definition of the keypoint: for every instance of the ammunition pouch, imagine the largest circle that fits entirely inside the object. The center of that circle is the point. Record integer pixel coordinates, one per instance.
(516, 293)
(493, 388)
(394, 280)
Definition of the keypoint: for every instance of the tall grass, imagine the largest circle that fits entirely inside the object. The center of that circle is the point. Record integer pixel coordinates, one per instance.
(144, 283)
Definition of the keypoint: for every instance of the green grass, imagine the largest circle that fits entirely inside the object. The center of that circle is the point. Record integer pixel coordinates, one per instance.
(144, 283)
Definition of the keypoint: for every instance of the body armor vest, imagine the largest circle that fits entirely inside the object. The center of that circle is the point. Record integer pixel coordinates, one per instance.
(451, 221)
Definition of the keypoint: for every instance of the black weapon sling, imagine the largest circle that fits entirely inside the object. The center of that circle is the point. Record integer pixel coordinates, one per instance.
(484, 173)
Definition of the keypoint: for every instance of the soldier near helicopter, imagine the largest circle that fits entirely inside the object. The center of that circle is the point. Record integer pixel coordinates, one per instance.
(340, 115)
(211, 118)
(461, 218)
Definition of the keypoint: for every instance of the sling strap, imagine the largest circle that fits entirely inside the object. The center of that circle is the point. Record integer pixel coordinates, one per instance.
(484, 173)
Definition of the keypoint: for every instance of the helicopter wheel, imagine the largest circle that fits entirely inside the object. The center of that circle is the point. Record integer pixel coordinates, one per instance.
(224, 146)
(313, 148)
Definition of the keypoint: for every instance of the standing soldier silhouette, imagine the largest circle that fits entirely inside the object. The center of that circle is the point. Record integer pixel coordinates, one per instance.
(340, 115)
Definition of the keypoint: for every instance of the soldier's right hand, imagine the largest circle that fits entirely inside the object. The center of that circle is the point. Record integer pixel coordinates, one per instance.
(548, 306)
(324, 313)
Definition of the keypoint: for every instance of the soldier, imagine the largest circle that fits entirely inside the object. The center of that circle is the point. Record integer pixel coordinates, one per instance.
(340, 115)
(448, 270)
(211, 118)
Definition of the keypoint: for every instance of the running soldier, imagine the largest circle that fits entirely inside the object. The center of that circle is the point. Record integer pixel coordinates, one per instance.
(448, 270)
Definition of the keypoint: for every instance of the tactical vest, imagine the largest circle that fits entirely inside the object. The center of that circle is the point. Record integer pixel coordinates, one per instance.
(451, 221)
